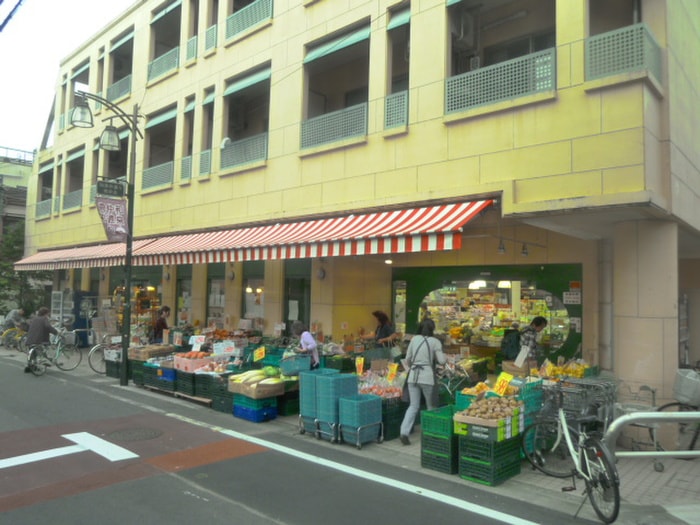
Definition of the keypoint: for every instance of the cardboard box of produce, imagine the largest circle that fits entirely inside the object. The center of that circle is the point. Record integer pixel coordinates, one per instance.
(144, 353)
(256, 390)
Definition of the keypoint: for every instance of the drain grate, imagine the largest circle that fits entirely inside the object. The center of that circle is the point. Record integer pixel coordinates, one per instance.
(135, 434)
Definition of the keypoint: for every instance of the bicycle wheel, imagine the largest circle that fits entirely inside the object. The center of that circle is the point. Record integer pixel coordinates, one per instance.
(545, 448)
(96, 359)
(603, 485)
(36, 361)
(68, 357)
(688, 431)
(22, 344)
(8, 337)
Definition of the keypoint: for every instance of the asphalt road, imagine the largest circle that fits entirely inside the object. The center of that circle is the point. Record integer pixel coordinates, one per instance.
(76, 448)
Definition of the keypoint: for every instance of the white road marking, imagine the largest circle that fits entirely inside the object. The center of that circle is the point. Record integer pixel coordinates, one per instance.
(83, 442)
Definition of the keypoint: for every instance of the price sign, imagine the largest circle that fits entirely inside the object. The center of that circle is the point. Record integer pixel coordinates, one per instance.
(359, 365)
(391, 375)
(259, 354)
(504, 379)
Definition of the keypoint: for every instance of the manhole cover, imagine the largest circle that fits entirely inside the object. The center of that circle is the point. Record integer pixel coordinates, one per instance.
(136, 434)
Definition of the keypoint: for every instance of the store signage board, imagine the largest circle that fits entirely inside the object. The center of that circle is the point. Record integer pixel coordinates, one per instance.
(111, 189)
(572, 297)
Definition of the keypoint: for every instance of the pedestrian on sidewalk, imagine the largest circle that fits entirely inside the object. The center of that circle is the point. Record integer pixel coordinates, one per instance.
(40, 330)
(423, 353)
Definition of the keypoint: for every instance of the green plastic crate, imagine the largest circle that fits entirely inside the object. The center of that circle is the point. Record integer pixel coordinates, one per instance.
(487, 473)
(444, 463)
(494, 452)
(248, 402)
(438, 421)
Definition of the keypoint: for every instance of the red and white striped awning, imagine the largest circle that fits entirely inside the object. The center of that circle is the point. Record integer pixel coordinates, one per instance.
(430, 228)
(95, 256)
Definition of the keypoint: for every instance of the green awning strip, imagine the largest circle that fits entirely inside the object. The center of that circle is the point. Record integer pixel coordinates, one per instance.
(189, 107)
(75, 155)
(123, 40)
(80, 70)
(160, 14)
(209, 98)
(343, 41)
(123, 134)
(248, 80)
(162, 117)
(399, 18)
(46, 167)
(453, 2)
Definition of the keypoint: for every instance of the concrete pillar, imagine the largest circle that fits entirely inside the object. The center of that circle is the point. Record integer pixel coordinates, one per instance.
(645, 304)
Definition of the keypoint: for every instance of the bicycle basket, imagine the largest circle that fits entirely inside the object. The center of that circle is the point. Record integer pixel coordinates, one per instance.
(686, 387)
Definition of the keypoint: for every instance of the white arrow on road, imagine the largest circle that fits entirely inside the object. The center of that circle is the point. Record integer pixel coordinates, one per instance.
(83, 441)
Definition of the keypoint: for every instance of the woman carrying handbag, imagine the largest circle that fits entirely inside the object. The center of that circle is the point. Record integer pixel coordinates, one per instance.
(423, 352)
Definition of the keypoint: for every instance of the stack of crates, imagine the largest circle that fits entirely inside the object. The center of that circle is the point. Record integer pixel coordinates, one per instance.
(360, 419)
(438, 440)
(532, 395)
(329, 389)
(288, 404)
(487, 461)
(135, 371)
(159, 377)
(221, 397)
(393, 411)
(184, 382)
(203, 385)
(308, 412)
(255, 410)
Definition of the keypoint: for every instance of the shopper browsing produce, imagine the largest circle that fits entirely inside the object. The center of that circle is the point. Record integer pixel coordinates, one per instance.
(384, 334)
(306, 342)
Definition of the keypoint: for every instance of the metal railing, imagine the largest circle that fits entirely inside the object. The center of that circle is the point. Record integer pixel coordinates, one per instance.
(396, 110)
(210, 38)
(334, 126)
(164, 63)
(191, 48)
(160, 175)
(186, 168)
(247, 17)
(244, 151)
(73, 199)
(120, 88)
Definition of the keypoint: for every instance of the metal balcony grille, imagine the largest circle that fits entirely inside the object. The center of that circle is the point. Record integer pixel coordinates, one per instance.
(62, 121)
(186, 168)
(210, 38)
(248, 17)
(625, 50)
(93, 193)
(119, 89)
(396, 110)
(56, 204)
(74, 199)
(244, 151)
(334, 126)
(205, 162)
(515, 78)
(192, 48)
(160, 175)
(164, 63)
(43, 208)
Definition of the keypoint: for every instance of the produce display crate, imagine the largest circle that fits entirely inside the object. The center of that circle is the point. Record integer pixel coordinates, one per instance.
(393, 411)
(439, 421)
(445, 463)
(184, 382)
(256, 415)
(112, 369)
(329, 389)
(591, 371)
(359, 410)
(489, 429)
(158, 377)
(307, 390)
(494, 452)
(208, 385)
(341, 363)
(249, 402)
(191, 365)
(293, 365)
(222, 403)
(288, 404)
(487, 473)
(438, 444)
(273, 356)
(136, 371)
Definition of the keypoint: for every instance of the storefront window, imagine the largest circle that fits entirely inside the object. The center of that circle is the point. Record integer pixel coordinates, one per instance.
(254, 293)
(216, 303)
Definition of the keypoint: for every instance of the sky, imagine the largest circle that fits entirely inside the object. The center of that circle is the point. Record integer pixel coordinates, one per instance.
(40, 34)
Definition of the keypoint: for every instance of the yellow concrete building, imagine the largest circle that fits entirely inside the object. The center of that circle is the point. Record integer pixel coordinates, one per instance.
(569, 125)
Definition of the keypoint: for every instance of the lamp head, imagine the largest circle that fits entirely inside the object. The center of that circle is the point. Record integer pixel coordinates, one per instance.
(109, 140)
(81, 116)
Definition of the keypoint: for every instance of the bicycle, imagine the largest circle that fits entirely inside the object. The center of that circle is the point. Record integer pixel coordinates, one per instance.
(96, 356)
(15, 337)
(553, 447)
(65, 355)
(685, 392)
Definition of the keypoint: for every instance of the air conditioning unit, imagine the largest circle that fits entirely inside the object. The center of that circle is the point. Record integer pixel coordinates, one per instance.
(463, 28)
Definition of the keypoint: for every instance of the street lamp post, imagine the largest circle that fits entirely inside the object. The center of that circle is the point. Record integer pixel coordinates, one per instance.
(109, 140)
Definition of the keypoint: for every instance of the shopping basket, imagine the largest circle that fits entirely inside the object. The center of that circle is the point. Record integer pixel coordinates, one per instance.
(292, 365)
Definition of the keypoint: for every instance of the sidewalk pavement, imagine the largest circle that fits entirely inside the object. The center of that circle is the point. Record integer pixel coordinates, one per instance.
(670, 497)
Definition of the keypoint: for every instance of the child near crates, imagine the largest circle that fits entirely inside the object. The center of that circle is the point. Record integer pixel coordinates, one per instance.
(306, 342)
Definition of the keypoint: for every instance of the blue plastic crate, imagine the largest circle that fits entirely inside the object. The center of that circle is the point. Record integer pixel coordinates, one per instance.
(329, 390)
(256, 415)
(307, 390)
(360, 435)
(360, 410)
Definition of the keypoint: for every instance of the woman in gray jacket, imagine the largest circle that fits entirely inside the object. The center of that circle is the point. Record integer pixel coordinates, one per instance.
(423, 353)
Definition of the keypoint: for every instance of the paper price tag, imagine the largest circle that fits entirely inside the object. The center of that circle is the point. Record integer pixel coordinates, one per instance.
(391, 374)
(359, 365)
(504, 379)
(259, 353)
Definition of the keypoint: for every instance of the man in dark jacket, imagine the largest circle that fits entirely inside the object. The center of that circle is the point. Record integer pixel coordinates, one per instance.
(40, 330)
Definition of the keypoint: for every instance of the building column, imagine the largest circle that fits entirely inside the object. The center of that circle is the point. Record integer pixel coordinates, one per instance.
(645, 304)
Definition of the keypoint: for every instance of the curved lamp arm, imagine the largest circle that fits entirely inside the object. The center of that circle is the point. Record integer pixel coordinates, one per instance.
(129, 120)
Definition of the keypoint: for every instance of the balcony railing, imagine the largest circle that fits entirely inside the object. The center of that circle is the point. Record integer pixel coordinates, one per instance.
(244, 151)
(210, 38)
(160, 175)
(508, 80)
(247, 17)
(334, 126)
(627, 50)
(43, 208)
(192, 48)
(164, 63)
(120, 88)
(186, 168)
(396, 110)
(205, 162)
(73, 199)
